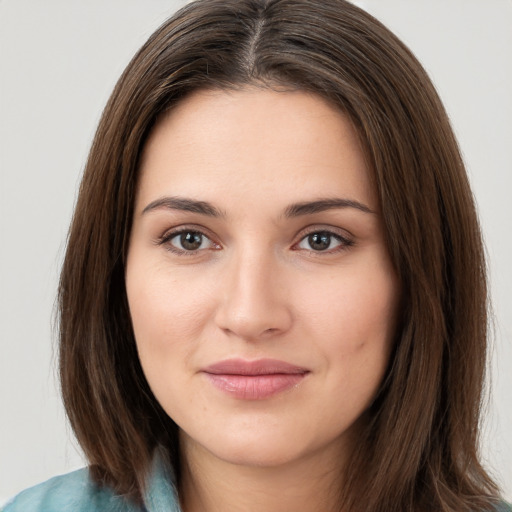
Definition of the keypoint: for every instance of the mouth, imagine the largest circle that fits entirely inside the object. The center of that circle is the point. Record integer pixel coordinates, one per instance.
(254, 380)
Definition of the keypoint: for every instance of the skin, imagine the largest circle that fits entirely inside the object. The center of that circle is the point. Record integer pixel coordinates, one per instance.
(259, 287)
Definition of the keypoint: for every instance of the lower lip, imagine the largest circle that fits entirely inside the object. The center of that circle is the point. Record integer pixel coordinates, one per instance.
(255, 387)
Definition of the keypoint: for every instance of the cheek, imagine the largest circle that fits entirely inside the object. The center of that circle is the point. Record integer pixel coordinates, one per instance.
(351, 313)
(356, 335)
(352, 321)
(167, 317)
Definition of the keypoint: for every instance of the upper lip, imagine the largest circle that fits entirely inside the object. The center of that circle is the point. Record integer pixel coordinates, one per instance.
(256, 367)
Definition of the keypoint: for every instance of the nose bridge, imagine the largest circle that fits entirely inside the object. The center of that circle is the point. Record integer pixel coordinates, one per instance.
(253, 304)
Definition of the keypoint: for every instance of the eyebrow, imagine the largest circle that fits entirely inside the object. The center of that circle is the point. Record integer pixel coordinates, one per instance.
(185, 205)
(322, 205)
(294, 210)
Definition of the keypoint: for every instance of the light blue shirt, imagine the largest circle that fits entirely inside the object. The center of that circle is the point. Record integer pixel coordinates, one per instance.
(76, 492)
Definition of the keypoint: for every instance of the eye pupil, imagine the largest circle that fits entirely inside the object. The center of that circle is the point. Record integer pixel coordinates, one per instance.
(191, 241)
(319, 241)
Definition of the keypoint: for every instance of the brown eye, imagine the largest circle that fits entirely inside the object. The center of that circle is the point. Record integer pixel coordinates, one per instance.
(191, 241)
(319, 241)
(324, 241)
(188, 241)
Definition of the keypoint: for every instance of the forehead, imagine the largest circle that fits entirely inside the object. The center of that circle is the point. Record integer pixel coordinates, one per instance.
(258, 143)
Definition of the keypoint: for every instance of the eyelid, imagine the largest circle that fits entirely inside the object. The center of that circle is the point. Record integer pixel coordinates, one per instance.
(328, 228)
(346, 238)
(169, 234)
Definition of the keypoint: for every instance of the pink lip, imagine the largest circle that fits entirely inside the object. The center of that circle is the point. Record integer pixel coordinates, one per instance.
(254, 380)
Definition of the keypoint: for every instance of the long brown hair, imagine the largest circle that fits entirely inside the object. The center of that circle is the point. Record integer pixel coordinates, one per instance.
(419, 450)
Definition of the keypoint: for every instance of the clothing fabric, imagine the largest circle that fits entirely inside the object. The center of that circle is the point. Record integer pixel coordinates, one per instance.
(76, 492)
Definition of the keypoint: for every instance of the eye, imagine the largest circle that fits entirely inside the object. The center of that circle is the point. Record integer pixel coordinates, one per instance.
(323, 241)
(187, 241)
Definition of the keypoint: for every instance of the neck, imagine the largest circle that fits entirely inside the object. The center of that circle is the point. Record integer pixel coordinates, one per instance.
(210, 484)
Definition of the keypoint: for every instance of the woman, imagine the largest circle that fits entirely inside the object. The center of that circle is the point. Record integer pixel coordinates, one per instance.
(273, 296)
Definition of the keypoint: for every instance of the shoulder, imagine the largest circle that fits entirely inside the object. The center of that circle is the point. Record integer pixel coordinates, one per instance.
(504, 507)
(74, 491)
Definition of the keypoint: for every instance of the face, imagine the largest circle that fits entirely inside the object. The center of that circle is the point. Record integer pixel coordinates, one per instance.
(261, 292)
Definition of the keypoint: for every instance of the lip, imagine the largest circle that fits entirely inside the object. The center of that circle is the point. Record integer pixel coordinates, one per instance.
(254, 380)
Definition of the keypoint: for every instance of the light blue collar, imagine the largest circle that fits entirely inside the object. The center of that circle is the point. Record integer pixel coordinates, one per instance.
(161, 494)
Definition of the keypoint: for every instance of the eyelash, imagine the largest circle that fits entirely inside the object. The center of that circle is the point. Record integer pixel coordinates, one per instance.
(345, 243)
(169, 235)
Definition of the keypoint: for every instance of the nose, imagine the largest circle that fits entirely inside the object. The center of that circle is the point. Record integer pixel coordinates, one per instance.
(253, 298)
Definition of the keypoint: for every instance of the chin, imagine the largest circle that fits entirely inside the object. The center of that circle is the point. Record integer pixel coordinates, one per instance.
(261, 447)
(258, 455)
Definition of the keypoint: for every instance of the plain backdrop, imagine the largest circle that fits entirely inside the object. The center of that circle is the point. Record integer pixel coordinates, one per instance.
(59, 60)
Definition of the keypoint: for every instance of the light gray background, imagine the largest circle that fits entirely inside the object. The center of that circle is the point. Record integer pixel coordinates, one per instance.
(59, 60)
